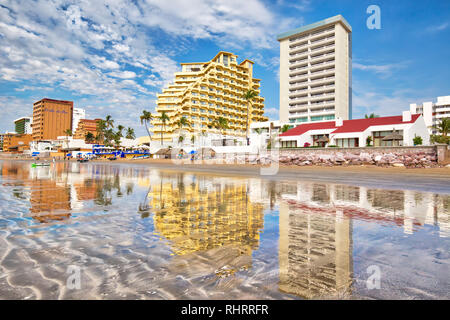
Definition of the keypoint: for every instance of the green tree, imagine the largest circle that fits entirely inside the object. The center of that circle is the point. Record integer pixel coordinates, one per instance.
(89, 137)
(130, 133)
(180, 139)
(101, 128)
(285, 128)
(249, 96)
(417, 140)
(119, 130)
(181, 123)
(109, 121)
(221, 124)
(368, 141)
(372, 115)
(443, 126)
(163, 118)
(146, 117)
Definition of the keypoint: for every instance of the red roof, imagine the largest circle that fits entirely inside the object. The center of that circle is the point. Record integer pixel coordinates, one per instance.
(302, 128)
(356, 125)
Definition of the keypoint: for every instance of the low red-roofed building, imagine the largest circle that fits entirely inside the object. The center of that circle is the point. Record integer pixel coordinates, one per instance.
(354, 133)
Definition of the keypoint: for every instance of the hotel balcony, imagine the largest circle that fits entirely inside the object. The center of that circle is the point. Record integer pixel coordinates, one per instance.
(322, 48)
(294, 79)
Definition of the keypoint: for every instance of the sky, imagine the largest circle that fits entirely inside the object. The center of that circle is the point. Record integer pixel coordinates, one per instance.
(113, 56)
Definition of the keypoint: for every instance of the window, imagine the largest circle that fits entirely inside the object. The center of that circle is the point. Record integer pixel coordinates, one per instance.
(347, 142)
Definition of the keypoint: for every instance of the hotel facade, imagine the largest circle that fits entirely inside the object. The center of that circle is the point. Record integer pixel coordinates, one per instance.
(51, 118)
(433, 112)
(316, 72)
(203, 92)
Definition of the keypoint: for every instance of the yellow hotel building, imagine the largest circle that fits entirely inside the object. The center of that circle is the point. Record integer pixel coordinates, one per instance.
(211, 218)
(203, 92)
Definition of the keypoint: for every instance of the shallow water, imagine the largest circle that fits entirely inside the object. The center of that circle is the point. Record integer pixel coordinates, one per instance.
(95, 231)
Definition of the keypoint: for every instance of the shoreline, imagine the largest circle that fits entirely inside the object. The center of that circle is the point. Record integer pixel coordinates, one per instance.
(435, 180)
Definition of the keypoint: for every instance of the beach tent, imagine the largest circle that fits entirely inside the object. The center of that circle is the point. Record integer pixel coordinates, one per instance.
(394, 136)
(206, 152)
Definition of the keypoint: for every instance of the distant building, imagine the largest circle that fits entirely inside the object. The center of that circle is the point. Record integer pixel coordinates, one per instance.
(78, 114)
(432, 112)
(51, 118)
(23, 125)
(13, 142)
(353, 133)
(204, 91)
(316, 72)
(84, 127)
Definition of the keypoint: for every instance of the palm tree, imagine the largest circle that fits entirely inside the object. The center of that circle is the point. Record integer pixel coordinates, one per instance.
(89, 137)
(119, 130)
(372, 115)
(285, 128)
(101, 127)
(443, 126)
(130, 134)
(203, 135)
(146, 117)
(109, 121)
(182, 122)
(164, 118)
(222, 124)
(68, 134)
(249, 95)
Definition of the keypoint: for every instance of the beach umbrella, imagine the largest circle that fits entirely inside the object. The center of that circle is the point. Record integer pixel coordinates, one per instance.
(323, 139)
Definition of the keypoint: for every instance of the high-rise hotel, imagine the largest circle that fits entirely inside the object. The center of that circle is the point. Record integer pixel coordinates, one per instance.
(202, 92)
(51, 118)
(316, 72)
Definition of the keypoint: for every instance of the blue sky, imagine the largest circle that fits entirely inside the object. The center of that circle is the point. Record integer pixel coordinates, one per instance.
(114, 56)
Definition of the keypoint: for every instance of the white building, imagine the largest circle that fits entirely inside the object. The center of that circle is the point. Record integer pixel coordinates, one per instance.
(23, 125)
(78, 114)
(316, 72)
(353, 133)
(432, 112)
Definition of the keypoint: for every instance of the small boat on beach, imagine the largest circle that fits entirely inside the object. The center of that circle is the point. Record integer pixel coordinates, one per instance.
(34, 165)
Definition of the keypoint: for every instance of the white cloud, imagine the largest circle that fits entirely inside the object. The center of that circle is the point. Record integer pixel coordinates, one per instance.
(104, 52)
(384, 69)
(440, 27)
(367, 99)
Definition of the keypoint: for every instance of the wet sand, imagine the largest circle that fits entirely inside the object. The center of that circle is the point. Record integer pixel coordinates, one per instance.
(399, 178)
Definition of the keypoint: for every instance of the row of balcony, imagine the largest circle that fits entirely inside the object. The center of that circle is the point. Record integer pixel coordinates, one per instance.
(300, 49)
(311, 36)
(310, 97)
(300, 63)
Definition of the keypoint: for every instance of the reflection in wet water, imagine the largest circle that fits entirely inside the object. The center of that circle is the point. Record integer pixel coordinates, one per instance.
(143, 233)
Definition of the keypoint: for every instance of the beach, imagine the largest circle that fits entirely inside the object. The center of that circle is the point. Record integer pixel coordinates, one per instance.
(434, 179)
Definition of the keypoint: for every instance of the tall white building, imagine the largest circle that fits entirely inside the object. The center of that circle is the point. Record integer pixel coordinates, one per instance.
(316, 72)
(78, 114)
(432, 112)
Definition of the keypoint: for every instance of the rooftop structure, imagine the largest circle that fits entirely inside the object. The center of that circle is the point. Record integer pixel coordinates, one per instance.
(316, 72)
